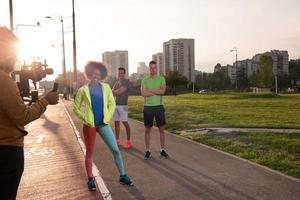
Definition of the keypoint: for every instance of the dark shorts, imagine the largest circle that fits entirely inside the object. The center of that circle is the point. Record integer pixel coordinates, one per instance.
(11, 170)
(157, 112)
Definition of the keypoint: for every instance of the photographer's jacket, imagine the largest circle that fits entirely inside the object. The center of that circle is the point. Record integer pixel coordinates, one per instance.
(14, 113)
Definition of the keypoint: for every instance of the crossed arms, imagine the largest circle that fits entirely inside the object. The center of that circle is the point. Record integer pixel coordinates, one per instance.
(119, 91)
(146, 92)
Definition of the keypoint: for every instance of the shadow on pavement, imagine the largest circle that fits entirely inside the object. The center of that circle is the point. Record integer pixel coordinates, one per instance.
(134, 192)
(194, 186)
(49, 124)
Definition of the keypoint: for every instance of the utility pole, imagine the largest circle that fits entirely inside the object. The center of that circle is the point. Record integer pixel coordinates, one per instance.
(62, 44)
(11, 15)
(63, 50)
(236, 67)
(74, 46)
(276, 86)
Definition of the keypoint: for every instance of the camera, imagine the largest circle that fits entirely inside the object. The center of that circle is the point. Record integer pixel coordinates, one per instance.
(36, 71)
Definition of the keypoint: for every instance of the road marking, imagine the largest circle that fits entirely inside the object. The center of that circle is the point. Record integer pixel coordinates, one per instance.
(97, 175)
(40, 138)
(44, 152)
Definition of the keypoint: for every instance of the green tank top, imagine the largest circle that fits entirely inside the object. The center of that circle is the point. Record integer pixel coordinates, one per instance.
(153, 83)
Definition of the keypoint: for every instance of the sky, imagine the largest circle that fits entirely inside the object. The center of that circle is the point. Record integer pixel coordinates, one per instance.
(141, 27)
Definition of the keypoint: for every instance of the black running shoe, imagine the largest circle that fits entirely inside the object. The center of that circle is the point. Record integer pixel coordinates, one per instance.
(164, 154)
(124, 179)
(147, 155)
(91, 185)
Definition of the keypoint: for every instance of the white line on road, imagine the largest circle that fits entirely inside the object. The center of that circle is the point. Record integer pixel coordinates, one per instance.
(40, 138)
(100, 182)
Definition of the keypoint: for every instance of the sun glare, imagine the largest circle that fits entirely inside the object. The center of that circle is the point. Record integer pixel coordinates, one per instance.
(35, 46)
(30, 48)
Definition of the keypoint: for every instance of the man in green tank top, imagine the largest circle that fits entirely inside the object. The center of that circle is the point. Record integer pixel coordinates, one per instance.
(152, 89)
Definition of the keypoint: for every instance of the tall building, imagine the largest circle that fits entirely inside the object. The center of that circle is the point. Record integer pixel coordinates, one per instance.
(280, 61)
(245, 67)
(218, 67)
(231, 73)
(248, 67)
(114, 60)
(158, 58)
(179, 54)
(142, 68)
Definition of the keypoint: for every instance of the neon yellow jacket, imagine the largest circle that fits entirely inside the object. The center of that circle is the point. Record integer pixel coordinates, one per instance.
(83, 96)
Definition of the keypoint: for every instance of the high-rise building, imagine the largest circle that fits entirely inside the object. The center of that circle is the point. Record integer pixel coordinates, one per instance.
(231, 73)
(142, 68)
(280, 61)
(179, 54)
(245, 67)
(114, 60)
(158, 58)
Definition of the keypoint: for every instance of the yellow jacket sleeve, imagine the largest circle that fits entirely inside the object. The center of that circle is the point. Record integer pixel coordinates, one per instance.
(77, 104)
(111, 104)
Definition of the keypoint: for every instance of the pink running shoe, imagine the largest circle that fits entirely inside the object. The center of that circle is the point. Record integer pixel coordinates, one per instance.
(127, 144)
(119, 143)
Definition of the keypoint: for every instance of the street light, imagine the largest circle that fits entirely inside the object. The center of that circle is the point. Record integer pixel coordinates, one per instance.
(74, 46)
(235, 49)
(63, 44)
(32, 25)
(11, 15)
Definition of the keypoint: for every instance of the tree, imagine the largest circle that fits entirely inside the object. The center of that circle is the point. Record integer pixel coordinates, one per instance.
(69, 80)
(202, 80)
(253, 80)
(265, 76)
(242, 79)
(213, 81)
(175, 79)
(294, 70)
(111, 81)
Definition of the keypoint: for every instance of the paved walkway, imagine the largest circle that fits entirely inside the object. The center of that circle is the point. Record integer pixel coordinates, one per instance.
(54, 161)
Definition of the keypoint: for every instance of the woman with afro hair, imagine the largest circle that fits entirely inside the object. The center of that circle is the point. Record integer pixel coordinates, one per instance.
(99, 108)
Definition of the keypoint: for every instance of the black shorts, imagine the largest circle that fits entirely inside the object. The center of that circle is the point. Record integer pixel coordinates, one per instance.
(157, 112)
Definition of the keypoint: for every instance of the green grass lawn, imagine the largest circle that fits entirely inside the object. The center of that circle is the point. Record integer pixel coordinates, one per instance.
(226, 110)
(277, 151)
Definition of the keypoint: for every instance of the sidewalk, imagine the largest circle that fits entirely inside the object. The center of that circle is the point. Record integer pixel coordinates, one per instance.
(54, 161)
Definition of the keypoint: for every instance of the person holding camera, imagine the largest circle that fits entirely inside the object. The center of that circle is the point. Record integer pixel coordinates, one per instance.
(14, 115)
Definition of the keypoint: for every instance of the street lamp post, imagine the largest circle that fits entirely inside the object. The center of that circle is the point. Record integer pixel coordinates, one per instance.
(276, 84)
(32, 25)
(74, 46)
(194, 82)
(235, 49)
(63, 46)
(11, 15)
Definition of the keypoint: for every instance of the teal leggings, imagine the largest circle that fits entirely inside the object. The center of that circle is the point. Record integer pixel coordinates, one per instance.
(109, 138)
